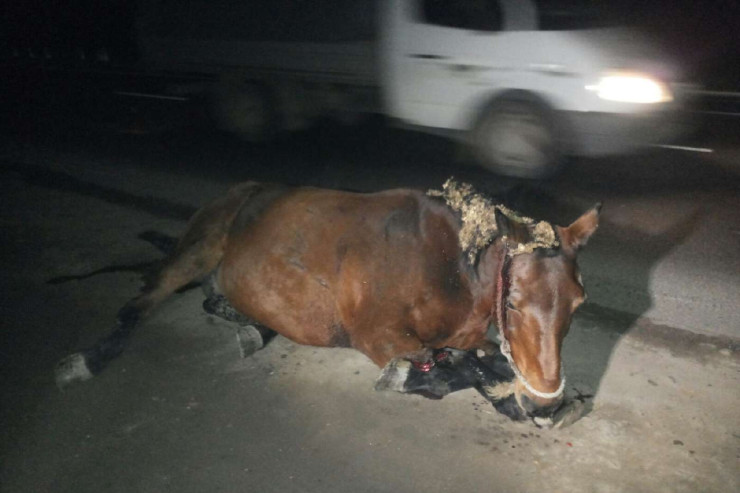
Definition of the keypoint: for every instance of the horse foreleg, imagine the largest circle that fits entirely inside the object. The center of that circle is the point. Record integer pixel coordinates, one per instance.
(432, 378)
(449, 370)
(250, 335)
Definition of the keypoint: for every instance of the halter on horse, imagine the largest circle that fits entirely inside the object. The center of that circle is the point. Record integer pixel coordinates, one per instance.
(519, 235)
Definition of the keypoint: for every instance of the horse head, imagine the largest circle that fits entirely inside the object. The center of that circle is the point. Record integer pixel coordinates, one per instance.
(539, 288)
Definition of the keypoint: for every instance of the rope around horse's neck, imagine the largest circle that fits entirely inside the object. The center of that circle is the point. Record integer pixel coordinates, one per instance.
(502, 294)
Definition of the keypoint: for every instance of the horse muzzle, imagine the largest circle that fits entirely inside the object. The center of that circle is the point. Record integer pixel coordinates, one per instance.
(539, 408)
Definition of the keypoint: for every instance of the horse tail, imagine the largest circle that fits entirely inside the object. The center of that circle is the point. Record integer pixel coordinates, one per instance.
(198, 252)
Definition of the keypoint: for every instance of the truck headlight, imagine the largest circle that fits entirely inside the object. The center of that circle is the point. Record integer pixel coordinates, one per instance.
(631, 87)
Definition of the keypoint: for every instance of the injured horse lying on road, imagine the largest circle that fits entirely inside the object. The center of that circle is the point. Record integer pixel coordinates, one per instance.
(412, 280)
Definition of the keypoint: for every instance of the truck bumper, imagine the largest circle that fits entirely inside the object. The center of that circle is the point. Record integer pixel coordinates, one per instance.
(599, 134)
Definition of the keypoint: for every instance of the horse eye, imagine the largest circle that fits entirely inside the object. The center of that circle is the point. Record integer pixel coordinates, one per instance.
(509, 306)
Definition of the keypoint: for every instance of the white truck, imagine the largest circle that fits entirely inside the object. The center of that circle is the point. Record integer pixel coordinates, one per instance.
(519, 87)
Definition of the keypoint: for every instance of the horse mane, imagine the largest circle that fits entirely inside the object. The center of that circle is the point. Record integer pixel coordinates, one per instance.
(479, 226)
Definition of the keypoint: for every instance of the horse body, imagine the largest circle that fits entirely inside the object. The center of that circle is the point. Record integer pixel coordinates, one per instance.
(386, 273)
(382, 273)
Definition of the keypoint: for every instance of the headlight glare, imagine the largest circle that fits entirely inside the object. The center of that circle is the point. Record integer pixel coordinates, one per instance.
(631, 88)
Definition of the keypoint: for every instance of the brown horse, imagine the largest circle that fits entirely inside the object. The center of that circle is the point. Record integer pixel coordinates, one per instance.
(395, 275)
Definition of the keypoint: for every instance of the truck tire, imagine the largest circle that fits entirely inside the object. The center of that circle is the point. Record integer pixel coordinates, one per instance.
(242, 108)
(516, 136)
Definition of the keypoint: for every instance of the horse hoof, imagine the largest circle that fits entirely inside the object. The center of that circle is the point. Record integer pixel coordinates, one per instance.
(393, 376)
(71, 369)
(249, 339)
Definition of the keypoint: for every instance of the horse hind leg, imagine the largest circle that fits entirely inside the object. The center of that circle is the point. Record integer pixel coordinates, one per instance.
(188, 264)
(197, 253)
(250, 335)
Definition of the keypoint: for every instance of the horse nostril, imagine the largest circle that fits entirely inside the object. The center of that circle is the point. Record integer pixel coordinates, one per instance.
(538, 411)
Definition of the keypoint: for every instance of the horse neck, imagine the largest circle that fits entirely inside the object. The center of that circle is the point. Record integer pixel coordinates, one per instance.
(488, 274)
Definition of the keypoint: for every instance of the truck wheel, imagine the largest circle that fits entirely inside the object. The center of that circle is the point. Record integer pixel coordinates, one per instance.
(516, 137)
(243, 108)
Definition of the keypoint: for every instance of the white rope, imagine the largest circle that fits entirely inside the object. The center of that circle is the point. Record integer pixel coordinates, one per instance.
(506, 351)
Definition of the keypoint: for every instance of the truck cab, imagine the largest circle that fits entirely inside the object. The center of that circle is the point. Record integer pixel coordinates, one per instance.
(521, 83)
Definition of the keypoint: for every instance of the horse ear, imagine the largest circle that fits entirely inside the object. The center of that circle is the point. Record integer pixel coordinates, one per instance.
(577, 234)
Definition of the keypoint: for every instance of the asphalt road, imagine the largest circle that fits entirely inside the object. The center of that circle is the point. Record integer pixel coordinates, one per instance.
(654, 351)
